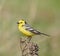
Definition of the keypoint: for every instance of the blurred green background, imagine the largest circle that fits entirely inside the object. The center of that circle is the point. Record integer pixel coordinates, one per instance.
(44, 15)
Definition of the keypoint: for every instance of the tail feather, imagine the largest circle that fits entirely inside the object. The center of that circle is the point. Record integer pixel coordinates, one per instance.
(45, 34)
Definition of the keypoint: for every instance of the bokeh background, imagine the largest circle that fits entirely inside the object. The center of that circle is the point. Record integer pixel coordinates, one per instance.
(44, 15)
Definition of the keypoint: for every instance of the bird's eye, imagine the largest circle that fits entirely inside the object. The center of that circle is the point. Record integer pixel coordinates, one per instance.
(21, 22)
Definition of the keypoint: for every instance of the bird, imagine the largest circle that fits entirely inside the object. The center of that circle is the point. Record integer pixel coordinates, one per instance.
(27, 30)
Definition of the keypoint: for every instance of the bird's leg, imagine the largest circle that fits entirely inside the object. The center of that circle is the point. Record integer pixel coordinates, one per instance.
(29, 39)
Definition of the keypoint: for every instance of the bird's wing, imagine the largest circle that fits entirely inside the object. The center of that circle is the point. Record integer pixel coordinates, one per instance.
(31, 29)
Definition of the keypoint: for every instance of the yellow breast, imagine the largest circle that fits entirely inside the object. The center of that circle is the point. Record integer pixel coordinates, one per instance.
(26, 32)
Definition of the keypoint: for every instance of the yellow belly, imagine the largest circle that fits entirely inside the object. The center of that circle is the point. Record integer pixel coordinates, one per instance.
(26, 32)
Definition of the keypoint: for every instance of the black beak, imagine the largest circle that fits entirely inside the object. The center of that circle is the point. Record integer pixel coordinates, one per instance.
(17, 22)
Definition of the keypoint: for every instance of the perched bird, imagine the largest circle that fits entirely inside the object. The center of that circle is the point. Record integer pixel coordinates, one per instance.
(27, 30)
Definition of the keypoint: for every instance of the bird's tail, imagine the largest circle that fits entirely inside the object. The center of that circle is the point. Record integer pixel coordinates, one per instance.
(45, 34)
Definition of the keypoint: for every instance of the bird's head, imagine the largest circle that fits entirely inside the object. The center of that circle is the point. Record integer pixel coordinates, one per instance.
(21, 22)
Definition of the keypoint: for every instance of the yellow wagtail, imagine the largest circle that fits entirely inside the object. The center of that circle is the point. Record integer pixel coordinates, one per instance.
(27, 29)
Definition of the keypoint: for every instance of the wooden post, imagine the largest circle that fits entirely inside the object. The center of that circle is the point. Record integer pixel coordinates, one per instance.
(28, 48)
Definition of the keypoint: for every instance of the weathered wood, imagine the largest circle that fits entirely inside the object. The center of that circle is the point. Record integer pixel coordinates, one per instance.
(28, 48)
